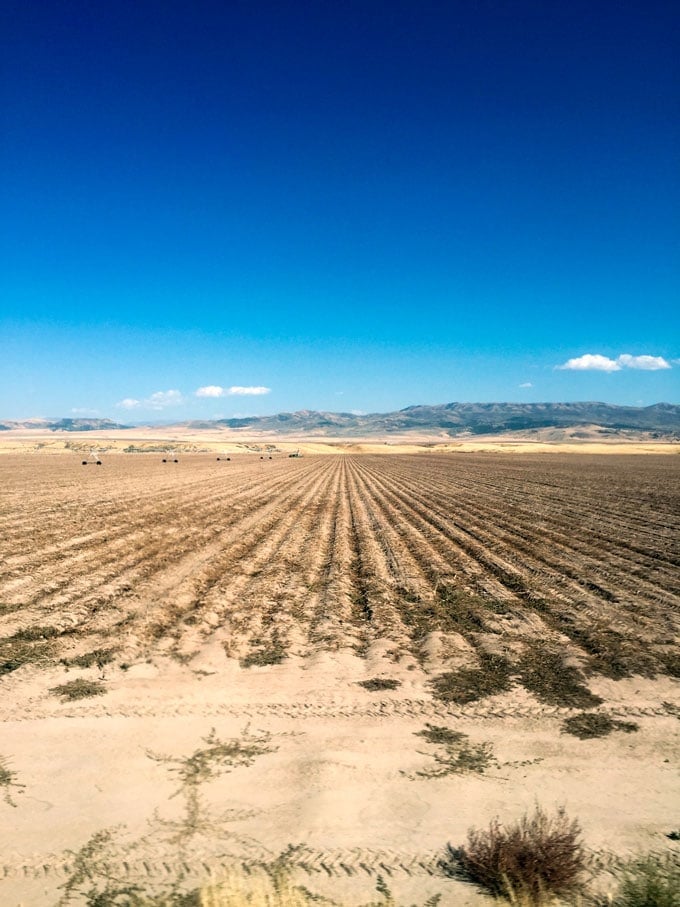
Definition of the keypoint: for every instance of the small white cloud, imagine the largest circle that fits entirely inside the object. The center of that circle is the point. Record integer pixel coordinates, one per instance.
(591, 362)
(161, 399)
(158, 400)
(596, 362)
(84, 411)
(358, 412)
(647, 363)
(210, 390)
(237, 391)
(526, 384)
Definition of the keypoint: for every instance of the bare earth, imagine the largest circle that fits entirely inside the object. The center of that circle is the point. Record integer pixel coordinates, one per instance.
(227, 613)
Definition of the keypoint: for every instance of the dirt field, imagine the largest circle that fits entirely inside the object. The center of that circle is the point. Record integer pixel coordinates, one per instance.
(360, 655)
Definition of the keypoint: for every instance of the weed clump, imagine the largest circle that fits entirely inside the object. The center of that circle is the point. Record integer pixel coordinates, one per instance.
(671, 663)
(16, 654)
(592, 724)
(8, 780)
(544, 673)
(78, 689)
(262, 657)
(611, 654)
(215, 758)
(456, 754)
(494, 675)
(99, 657)
(451, 611)
(650, 881)
(379, 683)
(530, 862)
(31, 634)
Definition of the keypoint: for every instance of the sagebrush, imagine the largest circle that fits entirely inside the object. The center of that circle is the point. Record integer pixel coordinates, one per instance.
(529, 862)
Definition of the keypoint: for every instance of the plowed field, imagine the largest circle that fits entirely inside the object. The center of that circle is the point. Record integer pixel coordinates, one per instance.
(497, 594)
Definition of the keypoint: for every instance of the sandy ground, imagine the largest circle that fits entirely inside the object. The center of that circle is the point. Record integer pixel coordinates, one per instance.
(340, 772)
(231, 442)
(341, 780)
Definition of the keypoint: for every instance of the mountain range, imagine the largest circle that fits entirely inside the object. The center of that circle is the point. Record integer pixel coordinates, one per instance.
(448, 419)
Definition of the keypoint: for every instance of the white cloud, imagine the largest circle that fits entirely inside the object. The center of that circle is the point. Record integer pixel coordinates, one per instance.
(210, 390)
(598, 363)
(84, 411)
(236, 391)
(526, 384)
(158, 400)
(591, 362)
(161, 399)
(358, 412)
(214, 390)
(647, 363)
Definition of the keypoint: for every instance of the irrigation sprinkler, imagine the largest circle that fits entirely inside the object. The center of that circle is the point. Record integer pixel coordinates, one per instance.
(92, 457)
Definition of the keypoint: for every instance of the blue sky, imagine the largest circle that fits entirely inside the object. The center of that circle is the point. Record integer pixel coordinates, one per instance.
(344, 206)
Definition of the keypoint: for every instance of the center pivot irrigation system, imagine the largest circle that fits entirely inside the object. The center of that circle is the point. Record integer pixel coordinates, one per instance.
(171, 458)
(92, 457)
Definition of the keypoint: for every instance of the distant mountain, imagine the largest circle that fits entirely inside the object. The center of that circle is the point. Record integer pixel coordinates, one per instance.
(61, 424)
(446, 420)
(457, 418)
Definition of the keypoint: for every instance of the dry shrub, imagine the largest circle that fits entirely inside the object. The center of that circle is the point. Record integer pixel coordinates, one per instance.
(456, 754)
(263, 657)
(78, 689)
(530, 862)
(375, 684)
(611, 653)
(650, 881)
(593, 724)
(99, 657)
(494, 675)
(545, 674)
(451, 611)
(14, 654)
(272, 886)
(31, 634)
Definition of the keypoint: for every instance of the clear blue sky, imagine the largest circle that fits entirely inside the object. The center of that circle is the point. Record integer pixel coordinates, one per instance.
(343, 205)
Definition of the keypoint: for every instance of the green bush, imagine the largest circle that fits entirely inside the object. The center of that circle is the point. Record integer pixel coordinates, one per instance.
(650, 881)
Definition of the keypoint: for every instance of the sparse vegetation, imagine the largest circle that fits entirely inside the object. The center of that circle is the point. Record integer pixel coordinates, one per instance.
(593, 724)
(375, 684)
(612, 654)
(31, 634)
(528, 863)
(262, 657)
(14, 654)
(649, 881)
(99, 657)
(93, 883)
(494, 675)
(454, 754)
(8, 782)
(217, 757)
(544, 673)
(449, 610)
(78, 689)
